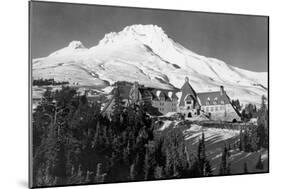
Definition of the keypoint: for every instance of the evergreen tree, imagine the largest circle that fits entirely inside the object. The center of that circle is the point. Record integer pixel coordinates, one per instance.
(245, 168)
(118, 108)
(225, 164)
(259, 164)
(262, 130)
(158, 174)
(169, 163)
(59, 164)
(204, 164)
(133, 173)
(241, 141)
(236, 104)
(99, 176)
(254, 140)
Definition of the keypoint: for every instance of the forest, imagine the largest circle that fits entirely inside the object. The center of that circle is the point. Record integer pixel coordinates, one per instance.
(46, 82)
(73, 143)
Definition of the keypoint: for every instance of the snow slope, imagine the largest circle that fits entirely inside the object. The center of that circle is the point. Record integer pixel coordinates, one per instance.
(215, 140)
(144, 53)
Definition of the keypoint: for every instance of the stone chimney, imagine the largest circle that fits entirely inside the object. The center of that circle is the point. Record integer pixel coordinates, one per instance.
(221, 90)
(186, 79)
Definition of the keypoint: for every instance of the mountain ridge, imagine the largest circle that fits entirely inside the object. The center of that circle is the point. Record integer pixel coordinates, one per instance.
(146, 54)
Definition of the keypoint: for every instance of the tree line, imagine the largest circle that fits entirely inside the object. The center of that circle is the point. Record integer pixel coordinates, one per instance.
(46, 82)
(73, 143)
(255, 137)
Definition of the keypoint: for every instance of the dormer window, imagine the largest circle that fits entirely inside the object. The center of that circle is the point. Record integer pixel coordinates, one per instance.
(216, 100)
(208, 101)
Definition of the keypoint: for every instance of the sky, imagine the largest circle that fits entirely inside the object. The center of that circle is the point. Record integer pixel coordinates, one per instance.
(238, 40)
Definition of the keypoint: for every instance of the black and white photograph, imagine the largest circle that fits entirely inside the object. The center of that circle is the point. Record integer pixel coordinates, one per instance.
(126, 94)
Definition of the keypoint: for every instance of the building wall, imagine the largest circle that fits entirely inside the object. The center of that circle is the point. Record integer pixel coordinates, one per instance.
(193, 112)
(189, 109)
(165, 106)
(221, 112)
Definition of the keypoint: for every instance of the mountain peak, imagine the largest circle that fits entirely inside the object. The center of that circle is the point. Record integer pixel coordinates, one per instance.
(145, 29)
(76, 45)
(136, 32)
(73, 46)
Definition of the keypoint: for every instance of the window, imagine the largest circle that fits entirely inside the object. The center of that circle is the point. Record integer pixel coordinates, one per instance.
(216, 108)
(221, 108)
(211, 109)
(208, 101)
(222, 102)
(216, 100)
(188, 101)
(207, 109)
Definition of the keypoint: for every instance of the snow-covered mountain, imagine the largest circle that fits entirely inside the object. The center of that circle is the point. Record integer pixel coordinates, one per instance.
(144, 53)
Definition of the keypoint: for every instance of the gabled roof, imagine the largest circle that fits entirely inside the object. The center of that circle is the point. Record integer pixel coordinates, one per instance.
(186, 90)
(163, 94)
(123, 90)
(213, 98)
(172, 95)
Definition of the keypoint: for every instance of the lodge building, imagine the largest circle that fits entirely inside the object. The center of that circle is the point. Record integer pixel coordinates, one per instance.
(216, 105)
(160, 101)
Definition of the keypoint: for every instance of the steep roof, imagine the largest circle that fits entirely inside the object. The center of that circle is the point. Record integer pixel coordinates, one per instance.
(186, 90)
(213, 98)
(123, 91)
(172, 95)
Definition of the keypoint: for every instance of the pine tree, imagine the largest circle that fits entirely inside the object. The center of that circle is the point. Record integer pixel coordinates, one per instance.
(133, 173)
(241, 141)
(169, 163)
(204, 164)
(259, 164)
(118, 109)
(99, 176)
(262, 130)
(149, 162)
(158, 174)
(245, 168)
(254, 140)
(59, 163)
(225, 164)
(187, 156)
